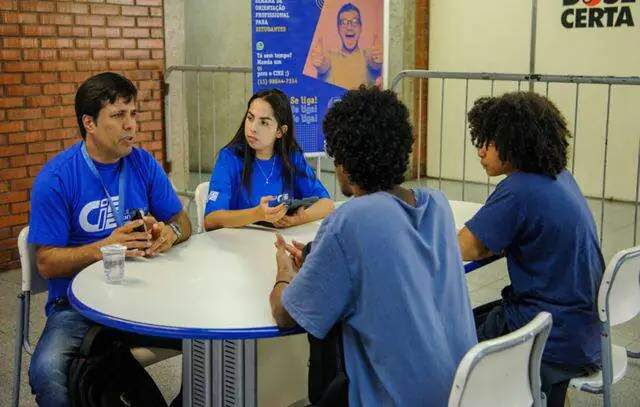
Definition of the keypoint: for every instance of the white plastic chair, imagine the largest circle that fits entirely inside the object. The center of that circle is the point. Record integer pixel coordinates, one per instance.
(618, 302)
(505, 371)
(33, 283)
(200, 196)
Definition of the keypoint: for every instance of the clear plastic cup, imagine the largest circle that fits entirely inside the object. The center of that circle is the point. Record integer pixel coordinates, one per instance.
(113, 259)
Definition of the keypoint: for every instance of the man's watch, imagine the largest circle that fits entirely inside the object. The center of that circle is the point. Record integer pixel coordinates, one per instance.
(176, 229)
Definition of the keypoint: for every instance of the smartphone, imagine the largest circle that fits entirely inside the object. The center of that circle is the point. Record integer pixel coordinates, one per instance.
(135, 214)
(294, 204)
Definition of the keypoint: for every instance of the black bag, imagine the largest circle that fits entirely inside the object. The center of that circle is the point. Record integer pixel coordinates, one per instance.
(105, 373)
(327, 382)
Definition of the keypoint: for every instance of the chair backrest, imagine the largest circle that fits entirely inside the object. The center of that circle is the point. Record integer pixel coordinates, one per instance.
(31, 279)
(504, 371)
(619, 293)
(200, 196)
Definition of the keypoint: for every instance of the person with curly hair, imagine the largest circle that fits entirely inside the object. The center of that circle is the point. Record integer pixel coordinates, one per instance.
(263, 164)
(384, 266)
(538, 218)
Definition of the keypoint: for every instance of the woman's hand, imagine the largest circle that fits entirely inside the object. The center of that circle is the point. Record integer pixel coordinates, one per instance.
(270, 214)
(288, 221)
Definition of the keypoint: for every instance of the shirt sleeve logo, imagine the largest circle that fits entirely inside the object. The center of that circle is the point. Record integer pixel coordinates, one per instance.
(213, 196)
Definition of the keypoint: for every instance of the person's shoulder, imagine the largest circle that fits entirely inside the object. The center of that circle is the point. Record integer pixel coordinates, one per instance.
(63, 163)
(230, 154)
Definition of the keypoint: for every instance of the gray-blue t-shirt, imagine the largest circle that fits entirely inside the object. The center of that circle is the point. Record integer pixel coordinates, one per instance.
(393, 276)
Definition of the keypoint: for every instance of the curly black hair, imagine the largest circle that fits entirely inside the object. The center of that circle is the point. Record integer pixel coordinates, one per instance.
(369, 134)
(527, 130)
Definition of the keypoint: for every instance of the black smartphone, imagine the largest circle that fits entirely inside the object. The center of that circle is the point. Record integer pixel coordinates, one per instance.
(135, 214)
(294, 204)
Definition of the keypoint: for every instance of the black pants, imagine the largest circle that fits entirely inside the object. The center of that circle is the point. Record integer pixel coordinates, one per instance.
(491, 323)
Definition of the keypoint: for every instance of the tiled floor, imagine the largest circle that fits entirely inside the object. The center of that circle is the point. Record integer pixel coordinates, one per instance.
(484, 286)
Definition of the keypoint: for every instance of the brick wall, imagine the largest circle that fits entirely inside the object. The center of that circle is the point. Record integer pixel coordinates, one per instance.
(47, 49)
(420, 88)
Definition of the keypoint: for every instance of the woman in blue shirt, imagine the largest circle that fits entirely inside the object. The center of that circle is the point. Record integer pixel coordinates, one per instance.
(262, 163)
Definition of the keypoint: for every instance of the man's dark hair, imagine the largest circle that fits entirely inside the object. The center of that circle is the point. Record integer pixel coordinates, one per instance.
(527, 130)
(99, 90)
(369, 134)
(348, 7)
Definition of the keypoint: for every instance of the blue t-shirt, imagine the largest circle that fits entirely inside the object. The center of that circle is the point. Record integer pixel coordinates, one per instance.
(227, 192)
(548, 234)
(393, 276)
(69, 207)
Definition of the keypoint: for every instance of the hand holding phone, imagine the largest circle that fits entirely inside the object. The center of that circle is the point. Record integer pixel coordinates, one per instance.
(138, 214)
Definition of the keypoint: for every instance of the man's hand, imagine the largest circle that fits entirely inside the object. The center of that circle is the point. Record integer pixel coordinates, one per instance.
(319, 61)
(286, 269)
(162, 236)
(377, 53)
(288, 221)
(294, 249)
(135, 242)
(267, 213)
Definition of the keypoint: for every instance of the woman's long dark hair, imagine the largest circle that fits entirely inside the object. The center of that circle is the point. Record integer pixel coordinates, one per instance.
(285, 146)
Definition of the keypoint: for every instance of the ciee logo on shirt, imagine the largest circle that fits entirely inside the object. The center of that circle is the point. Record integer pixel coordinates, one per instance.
(102, 220)
(213, 196)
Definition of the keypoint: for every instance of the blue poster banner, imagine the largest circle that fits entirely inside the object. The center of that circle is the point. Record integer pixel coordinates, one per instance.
(314, 51)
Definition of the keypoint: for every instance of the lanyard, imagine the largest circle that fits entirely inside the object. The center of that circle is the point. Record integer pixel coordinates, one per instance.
(118, 211)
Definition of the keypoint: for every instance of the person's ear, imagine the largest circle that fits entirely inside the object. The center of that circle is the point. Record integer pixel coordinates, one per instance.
(282, 131)
(89, 123)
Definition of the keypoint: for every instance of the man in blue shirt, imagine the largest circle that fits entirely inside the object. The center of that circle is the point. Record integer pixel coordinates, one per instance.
(538, 218)
(80, 202)
(385, 265)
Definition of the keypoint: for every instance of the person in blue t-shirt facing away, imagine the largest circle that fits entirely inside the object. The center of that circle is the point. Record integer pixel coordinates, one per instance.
(538, 218)
(263, 162)
(385, 265)
(79, 203)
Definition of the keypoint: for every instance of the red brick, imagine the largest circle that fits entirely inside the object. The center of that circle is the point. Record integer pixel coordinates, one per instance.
(150, 126)
(14, 197)
(135, 32)
(90, 20)
(121, 21)
(9, 30)
(150, 105)
(50, 66)
(91, 43)
(47, 146)
(33, 171)
(140, 136)
(146, 44)
(122, 1)
(38, 101)
(136, 54)
(157, 33)
(20, 42)
(157, 54)
(8, 5)
(26, 160)
(151, 64)
(152, 145)
(4, 162)
(73, 31)
(11, 127)
(60, 111)
(19, 18)
(75, 54)
(22, 207)
(57, 42)
(56, 19)
(149, 2)
(69, 122)
(69, 142)
(108, 32)
(22, 114)
(67, 99)
(31, 78)
(10, 78)
(20, 66)
(138, 75)
(5, 233)
(148, 85)
(135, 11)
(11, 102)
(149, 22)
(40, 54)
(73, 8)
(107, 9)
(30, 137)
(38, 30)
(155, 11)
(107, 54)
(122, 65)
(59, 89)
(13, 173)
(60, 134)
(122, 43)
(157, 115)
(92, 65)
(43, 124)
(10, 151)
(4, 209)
(22, 90)
(38, 6)
(9, 54)
(13, 220)
(144, 116)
